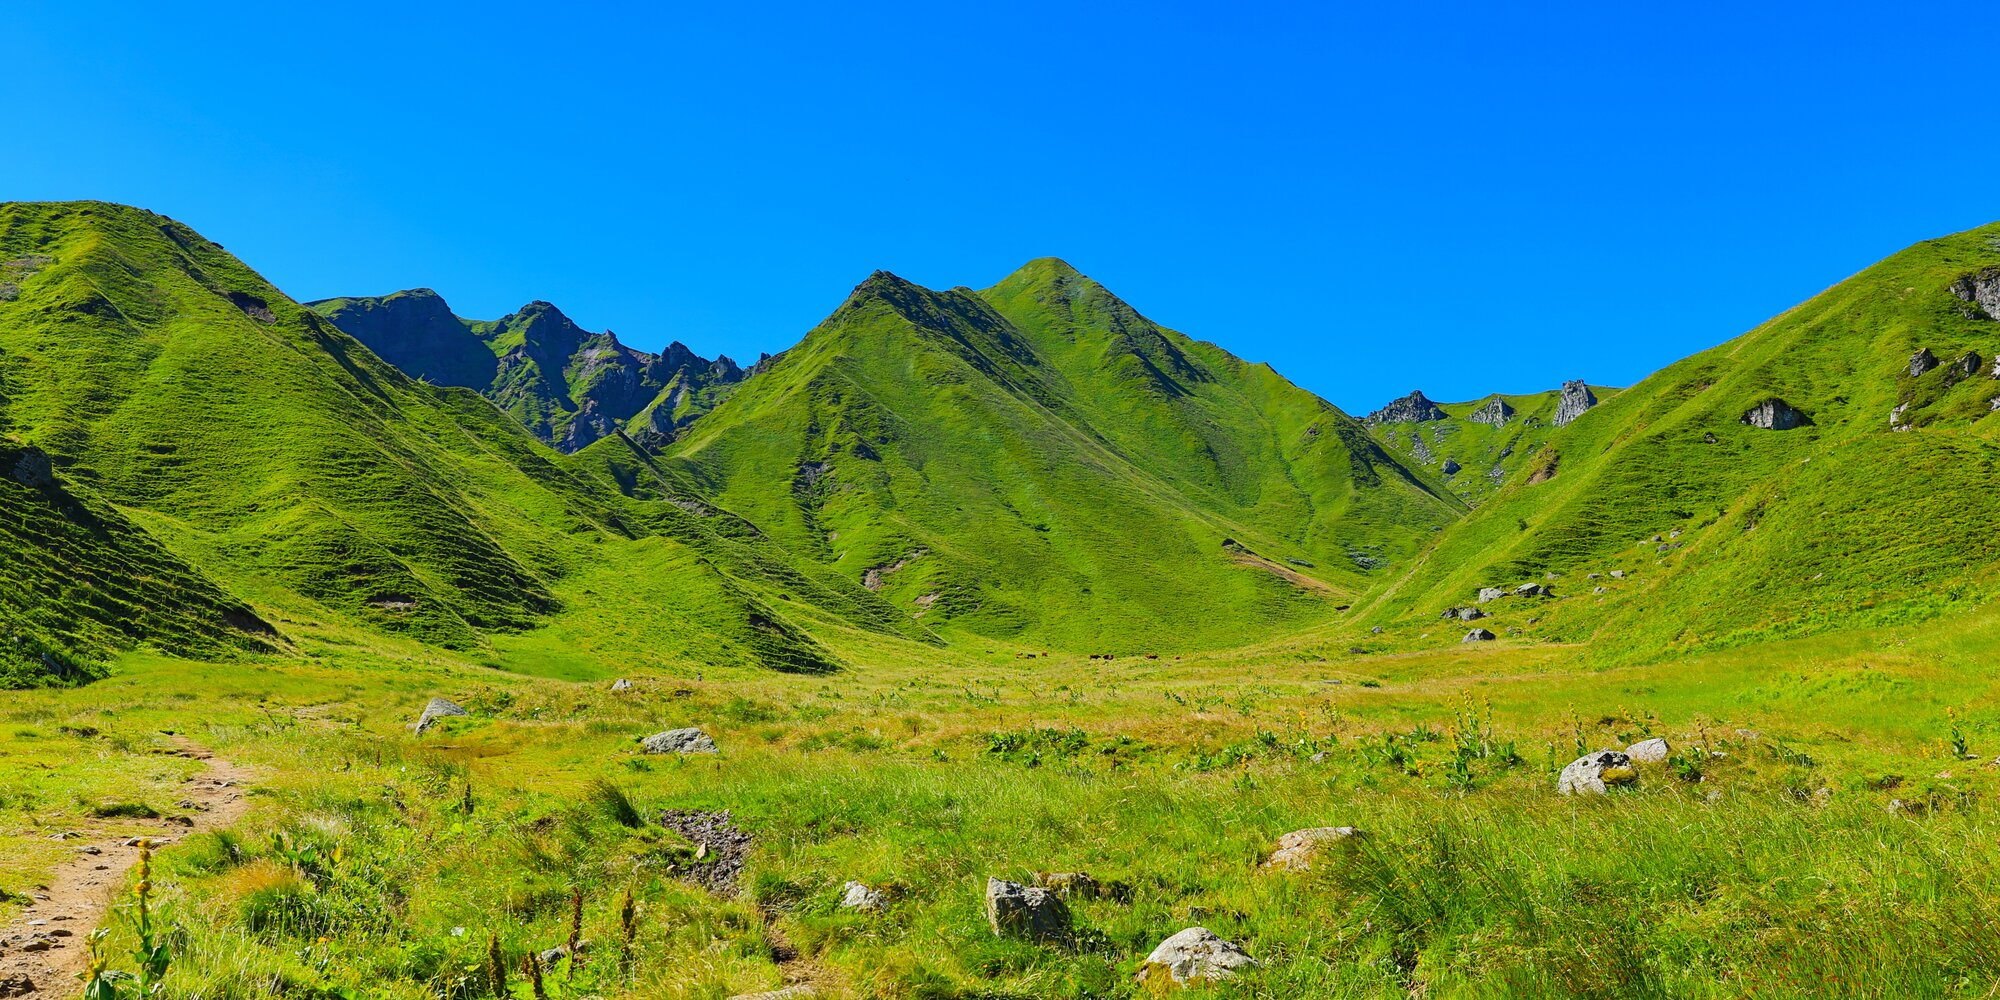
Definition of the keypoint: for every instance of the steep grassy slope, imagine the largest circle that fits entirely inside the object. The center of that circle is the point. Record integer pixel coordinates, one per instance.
(1475, 447)
(281, 456)
(922, 443)
(79, 580)
(569, 386)
(1726, 530)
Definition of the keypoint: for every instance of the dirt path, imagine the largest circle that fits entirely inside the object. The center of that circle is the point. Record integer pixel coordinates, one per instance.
(42, 951)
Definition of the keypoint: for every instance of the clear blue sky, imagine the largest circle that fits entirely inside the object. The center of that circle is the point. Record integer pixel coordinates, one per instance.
(1373, 197)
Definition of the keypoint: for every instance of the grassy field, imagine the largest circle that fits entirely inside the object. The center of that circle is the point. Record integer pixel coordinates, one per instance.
(1763, 860)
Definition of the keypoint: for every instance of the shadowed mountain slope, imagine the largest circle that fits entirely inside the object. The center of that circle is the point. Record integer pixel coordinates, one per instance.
(569, 386)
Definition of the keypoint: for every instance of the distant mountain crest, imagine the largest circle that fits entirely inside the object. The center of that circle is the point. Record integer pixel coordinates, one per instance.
(568, 385)
(1411, 409)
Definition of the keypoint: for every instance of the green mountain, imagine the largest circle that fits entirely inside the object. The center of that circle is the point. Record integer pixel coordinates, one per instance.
(569, 386)
(1479, 446)
(221, 457)
(1038, 461)
(1831, 467)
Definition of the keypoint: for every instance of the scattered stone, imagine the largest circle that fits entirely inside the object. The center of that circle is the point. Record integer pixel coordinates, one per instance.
(1593, 773)
(1653, 751)
(859, 897)
(33, 469)
(1479, 635)
(1775, 414)
(1451, 467)
(1493, 414)
(621, 684)
(1411, 409)
(1467, 614)
(1600, 590)
(1296, 850)
(1069, 885)
(1016, 910)
(1618, 574)
(1533, 590)
(688, 740)
(1377, 630)
(1922, 361)
(555, 954)
(16, 986)
(1964, 367)
(1490, 594)
(1709, 438)
(1896, 421)
(1193, 956)
(1576, 398)
(438, 708)
(1593, 576)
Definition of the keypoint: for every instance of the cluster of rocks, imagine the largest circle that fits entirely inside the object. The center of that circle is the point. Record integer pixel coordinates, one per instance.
(1524, 590)
(1597, 772)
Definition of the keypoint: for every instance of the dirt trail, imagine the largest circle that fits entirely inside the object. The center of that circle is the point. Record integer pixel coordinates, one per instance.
(42, 951)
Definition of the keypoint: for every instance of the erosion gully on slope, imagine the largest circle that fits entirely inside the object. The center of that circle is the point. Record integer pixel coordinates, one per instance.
(42, 951)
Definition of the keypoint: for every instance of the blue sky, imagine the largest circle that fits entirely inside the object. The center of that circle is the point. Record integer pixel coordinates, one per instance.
(1457, 197)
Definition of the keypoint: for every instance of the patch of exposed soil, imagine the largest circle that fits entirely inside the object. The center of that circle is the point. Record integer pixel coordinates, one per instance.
(723, 848)
(43, 949)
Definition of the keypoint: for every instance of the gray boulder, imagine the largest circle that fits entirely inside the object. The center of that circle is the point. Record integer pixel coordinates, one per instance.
(1600, 590)
(1450, 467)
(1490, 594)
(438, 708)
(1576, 398)
(33, 469)
(1653, 751)
(1896, 421)
(859, 897)
(689, 740)
(1016, 910)
(1296, 850)
(1467, 614)
(1775, 414)
(1192, 956)
(1922, 361)
(621, 684)
(1594, 773)
(1964, 367)
(1618, 574)
(1479, 635)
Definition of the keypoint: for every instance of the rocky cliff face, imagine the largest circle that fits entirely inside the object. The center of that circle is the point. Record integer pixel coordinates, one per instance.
(1981, 292)
(1576, 398)
(1410, 409)
(1493, 414)
(416, 332)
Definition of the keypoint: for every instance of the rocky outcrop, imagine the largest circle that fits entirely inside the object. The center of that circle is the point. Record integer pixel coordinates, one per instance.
(1775, 414)
(1980, 292)
(1451, 467)
(1653, 751)
(1594, 773)
(1479, 635)
(1576, 398)
(1410, 409)
(1493, 414)
(1463, 614)
(1016, 910)
(1922, 361)
(1190, 957)
(1963, 367)
(33, 469)
(689, 740)
(1491, 594)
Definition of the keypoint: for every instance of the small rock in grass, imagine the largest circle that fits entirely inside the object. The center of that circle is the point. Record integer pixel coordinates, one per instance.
(860, 897)
(1296, 850)
(1593, 773)
(689, 740)
(621, 684)
(1193, 956)
(437, 709)
(1016, 910)
(1479, 635)
(1653, 751)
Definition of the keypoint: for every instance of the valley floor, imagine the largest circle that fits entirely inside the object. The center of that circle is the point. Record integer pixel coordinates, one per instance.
(1826, 826)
